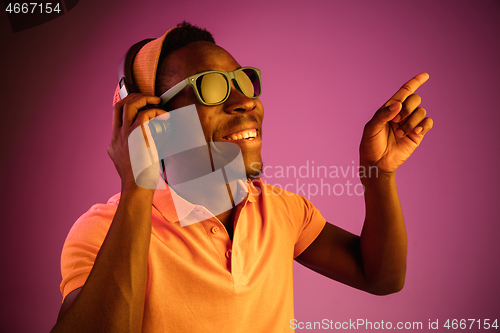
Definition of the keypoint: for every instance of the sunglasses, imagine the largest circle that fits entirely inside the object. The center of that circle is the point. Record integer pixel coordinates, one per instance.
(213, 87)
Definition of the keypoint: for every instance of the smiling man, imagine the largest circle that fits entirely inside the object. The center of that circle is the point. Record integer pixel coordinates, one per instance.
(131, 265)
(238, 119)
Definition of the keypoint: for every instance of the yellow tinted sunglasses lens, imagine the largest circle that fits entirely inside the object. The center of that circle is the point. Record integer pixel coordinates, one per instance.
(212, 87)
(245, 83)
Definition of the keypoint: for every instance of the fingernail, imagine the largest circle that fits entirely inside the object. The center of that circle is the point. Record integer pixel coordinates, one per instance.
(399, 132)
(397, 118)
(418, 129)
(394, 106)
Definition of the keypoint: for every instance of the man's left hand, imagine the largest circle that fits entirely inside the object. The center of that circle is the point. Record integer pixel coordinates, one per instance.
(396, 129)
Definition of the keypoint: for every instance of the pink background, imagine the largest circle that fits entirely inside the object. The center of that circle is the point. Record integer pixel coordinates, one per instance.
(327, 66)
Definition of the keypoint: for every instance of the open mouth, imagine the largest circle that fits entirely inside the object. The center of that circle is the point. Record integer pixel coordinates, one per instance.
(249, 135)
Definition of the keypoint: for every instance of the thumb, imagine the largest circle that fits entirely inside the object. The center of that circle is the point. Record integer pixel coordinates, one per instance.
(382, 117)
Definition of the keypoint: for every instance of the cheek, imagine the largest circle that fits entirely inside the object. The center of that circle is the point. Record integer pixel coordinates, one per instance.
(260, 114)
(260, 108)
(207, 120)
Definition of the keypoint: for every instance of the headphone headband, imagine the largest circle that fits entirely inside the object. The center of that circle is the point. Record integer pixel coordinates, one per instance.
(125, 77)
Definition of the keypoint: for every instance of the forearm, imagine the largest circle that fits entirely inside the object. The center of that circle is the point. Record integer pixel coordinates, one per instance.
(112, 299)
(383, 241)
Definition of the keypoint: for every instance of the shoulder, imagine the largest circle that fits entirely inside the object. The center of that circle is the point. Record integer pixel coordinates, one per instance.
(296, 208)
(96, 221)
(303, 217)
(278, 195)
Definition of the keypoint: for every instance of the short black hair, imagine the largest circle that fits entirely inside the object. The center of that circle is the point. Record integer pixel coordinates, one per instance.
(184, 34)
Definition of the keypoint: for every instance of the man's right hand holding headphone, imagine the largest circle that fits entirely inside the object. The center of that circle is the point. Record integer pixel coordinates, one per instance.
(127, 117)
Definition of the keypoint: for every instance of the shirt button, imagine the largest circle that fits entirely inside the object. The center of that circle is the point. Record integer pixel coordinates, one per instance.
(228, 254)
(199, 213)
(215, 230)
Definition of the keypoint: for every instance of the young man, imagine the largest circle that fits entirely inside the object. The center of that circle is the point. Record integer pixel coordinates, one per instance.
(131, 265)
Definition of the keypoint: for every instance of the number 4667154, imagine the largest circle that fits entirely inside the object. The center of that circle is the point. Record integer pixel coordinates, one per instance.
(470, 324)
(33, 7)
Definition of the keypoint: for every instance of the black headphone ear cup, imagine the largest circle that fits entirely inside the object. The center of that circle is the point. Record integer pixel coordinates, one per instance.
(125, 77)
(160, 130)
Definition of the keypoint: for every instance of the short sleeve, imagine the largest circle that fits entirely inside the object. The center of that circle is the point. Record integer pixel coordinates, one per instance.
(82, 245)
(308, 225)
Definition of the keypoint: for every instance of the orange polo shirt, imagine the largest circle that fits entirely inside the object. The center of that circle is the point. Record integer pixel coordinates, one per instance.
(200, 281)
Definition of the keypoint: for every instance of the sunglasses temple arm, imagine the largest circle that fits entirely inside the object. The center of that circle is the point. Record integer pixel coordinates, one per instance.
(170, 93)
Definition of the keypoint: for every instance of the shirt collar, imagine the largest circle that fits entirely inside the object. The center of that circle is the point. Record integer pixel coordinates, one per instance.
(164, 200)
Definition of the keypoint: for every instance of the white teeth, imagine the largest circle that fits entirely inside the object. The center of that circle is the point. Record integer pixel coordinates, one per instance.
(248, 134)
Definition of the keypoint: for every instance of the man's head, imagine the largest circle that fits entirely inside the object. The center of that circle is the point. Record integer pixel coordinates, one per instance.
(189, 50)
(184, 34)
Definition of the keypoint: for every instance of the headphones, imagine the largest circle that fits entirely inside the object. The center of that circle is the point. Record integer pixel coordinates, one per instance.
(125, 80)
(159, 128)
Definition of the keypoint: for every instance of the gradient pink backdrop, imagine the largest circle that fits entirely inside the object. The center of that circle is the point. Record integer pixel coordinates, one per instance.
(327, 66)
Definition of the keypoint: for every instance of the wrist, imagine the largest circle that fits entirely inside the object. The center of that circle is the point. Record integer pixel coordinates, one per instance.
(372, 175)
(134, 190)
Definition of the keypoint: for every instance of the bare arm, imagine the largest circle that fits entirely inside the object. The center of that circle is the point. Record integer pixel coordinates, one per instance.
(112, 299)
(376, 260)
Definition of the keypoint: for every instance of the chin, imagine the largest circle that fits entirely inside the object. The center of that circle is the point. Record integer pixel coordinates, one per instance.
(254, 170)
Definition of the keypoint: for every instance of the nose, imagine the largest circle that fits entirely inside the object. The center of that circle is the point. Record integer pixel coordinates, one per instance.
(238, 102)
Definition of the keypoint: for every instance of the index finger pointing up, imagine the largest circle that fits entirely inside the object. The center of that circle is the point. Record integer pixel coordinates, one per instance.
(408, 88)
